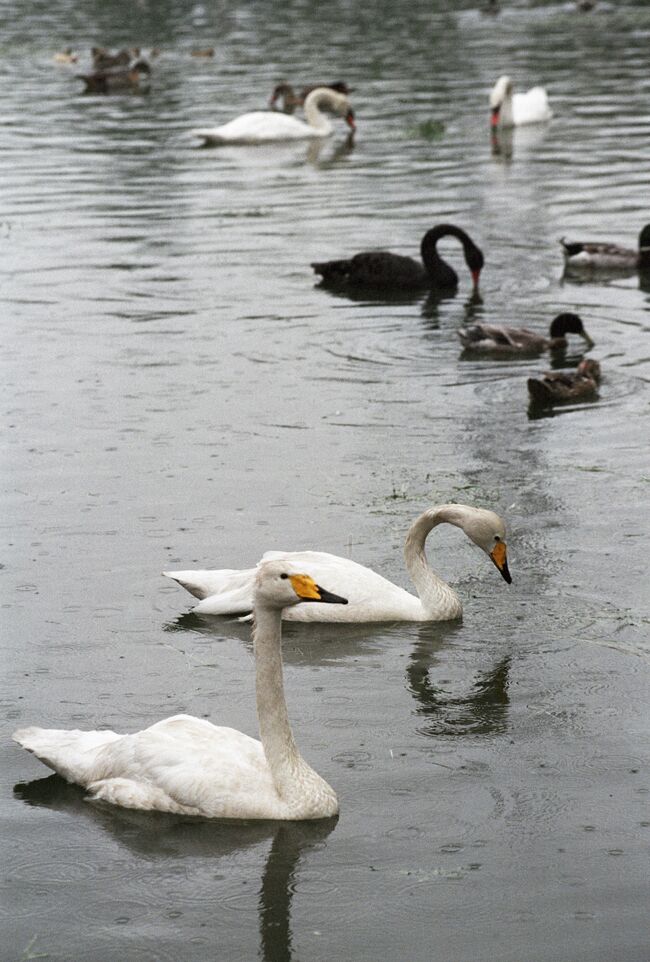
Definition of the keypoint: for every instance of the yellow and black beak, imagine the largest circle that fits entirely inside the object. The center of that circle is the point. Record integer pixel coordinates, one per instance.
(307, 590)
(500, 557)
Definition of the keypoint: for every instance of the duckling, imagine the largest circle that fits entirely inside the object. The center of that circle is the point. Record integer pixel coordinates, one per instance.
(291, 100)
(66, 56)
(115, 79)
(489, 339)
(596, 255)
(558, 387)
(203, 52)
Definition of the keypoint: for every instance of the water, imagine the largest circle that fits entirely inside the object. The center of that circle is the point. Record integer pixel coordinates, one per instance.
(178, 393)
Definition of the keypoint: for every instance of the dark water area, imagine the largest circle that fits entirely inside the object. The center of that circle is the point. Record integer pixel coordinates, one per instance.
(177, 392)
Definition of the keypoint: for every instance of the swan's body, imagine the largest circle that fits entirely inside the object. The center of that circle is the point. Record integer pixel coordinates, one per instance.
(267, 126)
(515, 110)
(370, 596)
(597, 255)
(383, 270)
(498, 341)
(187, 765)
(557, 387)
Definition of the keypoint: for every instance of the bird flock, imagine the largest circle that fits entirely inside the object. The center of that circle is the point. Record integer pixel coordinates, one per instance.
(188, 765)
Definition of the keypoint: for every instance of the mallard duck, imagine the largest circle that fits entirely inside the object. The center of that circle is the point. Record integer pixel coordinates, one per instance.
(597, 255)
(382, 270)
(514, 110)
(103, 59)
(66, 56)
(489, 339)
(291, 100)
(115, 79)
(557, 387)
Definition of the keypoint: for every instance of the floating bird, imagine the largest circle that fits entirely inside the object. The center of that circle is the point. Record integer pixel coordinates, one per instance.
(291, 100)
(383, 270)
(492, 339)
(266, 126)
(370, 596)
(206, 52)
(558, 387)
(103, 59)
(515, 110)
(66, 56)
(116, 78)
(597, 255)
(188, 766)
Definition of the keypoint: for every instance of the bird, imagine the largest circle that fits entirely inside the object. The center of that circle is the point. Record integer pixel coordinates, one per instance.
(515, 110)
(105, 60)
(557, 387)
(66, 56)
(266, 126)
(115, 78)
(371, 598)
(384, 270)
(189, 766)
(496, 340)
(598, 255)
(291, 100)
(206, 52)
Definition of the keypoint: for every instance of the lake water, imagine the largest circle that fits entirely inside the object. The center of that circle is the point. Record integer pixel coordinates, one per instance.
(178, 393)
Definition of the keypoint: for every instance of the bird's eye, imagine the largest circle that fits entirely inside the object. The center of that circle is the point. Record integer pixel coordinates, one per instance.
(284, 575)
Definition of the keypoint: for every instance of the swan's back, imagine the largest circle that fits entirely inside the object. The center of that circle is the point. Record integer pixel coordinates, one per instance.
(531, 107)
(258, 127)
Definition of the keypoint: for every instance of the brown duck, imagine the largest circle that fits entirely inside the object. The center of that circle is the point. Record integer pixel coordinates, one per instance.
(559, 387)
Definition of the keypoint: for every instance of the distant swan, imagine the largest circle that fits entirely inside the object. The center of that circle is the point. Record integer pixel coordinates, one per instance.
(498, 341)
(383, 270)
(187, 765)
(515, 110)
(370, 596)
(599, 255)
(267, 126)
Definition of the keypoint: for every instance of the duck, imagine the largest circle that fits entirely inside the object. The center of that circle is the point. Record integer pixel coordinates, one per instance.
(265, 126)
(103, 59)
(371, 597)
(515, 110)
(492, 339)
(66, 56)
(115, 78)
(384, 270)
(558, 387)
(291, 100)
(205, 52)
(188, 766)
(599, 255)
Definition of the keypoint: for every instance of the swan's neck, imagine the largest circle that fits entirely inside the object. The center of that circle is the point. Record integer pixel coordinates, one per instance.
(505, 111)
(438, 269)
(314, 115)
(435, 594)
(282, 755)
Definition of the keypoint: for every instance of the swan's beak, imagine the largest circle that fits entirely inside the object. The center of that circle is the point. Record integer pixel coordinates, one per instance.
(475, 277)
(307, 590)
(494, 119)
(500, 557)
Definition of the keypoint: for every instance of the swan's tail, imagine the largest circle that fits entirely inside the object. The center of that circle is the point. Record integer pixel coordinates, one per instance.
(332, 271)
(73, 754)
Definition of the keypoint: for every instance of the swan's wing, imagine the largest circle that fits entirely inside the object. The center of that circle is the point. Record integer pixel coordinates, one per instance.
(531, 107)
(256, 127)
(224, 591)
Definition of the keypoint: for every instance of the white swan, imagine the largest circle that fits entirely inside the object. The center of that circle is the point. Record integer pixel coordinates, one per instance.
(267, 126)
(515, 110)
(370, 597)
(187, 765)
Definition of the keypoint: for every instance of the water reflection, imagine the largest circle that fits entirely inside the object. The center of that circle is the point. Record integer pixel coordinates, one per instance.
(481, 709)
(162, 837)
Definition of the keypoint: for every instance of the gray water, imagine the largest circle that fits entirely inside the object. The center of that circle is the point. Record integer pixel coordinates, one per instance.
(177, 392)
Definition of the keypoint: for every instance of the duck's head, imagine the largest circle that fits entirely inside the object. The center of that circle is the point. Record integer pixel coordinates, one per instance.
(279, 585)
(501, 92)
(568, 323)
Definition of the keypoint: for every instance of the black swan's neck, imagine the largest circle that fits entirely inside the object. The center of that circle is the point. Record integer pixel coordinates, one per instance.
(440, 272)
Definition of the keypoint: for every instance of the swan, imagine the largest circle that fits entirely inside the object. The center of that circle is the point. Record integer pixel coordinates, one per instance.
(370, 597)
(386, 271)
(557, 387)
(515, 110)
(594, 255)
(266, 126)
(495, 340)
(188, 766)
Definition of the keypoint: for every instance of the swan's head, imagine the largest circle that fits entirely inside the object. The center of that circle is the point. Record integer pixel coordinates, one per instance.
(501, 94)
(487, 530)
(278, 585)
(329, 99)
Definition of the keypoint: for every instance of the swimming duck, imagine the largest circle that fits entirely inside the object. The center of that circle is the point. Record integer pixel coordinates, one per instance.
(205, 52)
(489, 339)
(103, 59)
(188, 766)
(291, 100)
(596, 255)
(370, 596)
(116, 78)
(514, 110)
(266, 126)
(372, 270)
(66, 56)
(557, 387)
